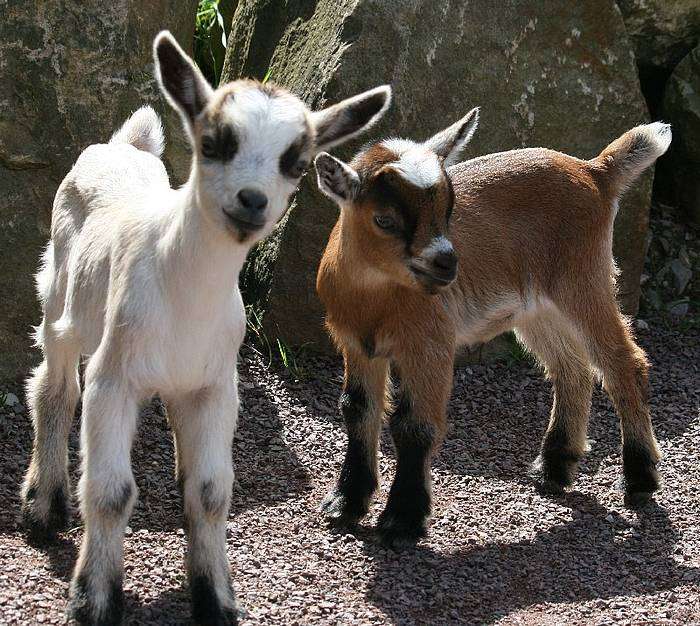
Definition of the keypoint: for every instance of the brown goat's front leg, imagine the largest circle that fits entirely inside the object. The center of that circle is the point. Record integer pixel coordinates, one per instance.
(417, 424)
(362, 405)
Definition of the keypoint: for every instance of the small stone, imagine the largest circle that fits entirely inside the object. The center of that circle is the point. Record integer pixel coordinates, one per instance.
(11, 399)
(641, 325)
(679, 309)
(681, 274)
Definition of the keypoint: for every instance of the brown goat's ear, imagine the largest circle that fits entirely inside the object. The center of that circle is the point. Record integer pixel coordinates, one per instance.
(336, 179)
(179, 78)
(450, 143)
(350, 117)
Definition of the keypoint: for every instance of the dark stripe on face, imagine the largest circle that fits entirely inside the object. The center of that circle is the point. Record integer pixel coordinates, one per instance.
(451, 199)
(386, 194)
(222, 146)
(295, 159)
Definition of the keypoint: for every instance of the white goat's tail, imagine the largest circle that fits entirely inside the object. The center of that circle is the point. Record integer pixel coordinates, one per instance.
(629, 155)
(143, 130)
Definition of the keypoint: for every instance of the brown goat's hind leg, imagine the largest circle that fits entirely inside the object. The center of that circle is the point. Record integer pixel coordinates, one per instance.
(362, 406)
(625, 377)
(566, 364)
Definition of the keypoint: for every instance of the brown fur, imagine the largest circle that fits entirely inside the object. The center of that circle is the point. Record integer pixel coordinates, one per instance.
(533, 232)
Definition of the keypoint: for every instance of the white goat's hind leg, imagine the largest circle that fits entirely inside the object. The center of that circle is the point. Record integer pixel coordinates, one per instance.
(204, 424)
(53, 391)
(107, 493)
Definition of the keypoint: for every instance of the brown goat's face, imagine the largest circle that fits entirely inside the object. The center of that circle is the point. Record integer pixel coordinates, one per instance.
(399, 214)
(396, 200)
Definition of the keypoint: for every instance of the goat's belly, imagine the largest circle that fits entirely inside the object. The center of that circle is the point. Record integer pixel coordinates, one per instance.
(480, 326)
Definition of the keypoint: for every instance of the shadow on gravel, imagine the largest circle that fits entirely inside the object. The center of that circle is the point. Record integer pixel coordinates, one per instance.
(171, 607)
(597, 555)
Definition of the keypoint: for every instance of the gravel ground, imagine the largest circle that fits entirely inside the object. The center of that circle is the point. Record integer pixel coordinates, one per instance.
(497, 552)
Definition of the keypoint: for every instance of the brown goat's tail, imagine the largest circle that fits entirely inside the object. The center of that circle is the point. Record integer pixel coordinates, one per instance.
(629, 155)
(142, 130)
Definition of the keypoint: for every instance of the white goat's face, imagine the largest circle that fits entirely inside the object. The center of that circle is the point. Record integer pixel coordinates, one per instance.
(252, 142)
(252, 145)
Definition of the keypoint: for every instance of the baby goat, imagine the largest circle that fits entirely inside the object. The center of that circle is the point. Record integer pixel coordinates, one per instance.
(532, 230)
(145, 279)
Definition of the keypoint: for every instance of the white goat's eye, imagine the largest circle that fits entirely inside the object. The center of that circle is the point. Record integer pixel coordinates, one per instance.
(298, 169)
(209, 148)
(385, 222)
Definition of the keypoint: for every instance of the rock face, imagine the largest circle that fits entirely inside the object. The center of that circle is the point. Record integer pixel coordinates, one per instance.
(662, 31)
(681, 107)
(72, 73)
(544, 75)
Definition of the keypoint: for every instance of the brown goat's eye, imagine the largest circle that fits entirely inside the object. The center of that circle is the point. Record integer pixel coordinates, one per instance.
(385, 222)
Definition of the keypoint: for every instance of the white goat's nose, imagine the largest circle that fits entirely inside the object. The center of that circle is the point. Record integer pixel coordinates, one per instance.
(252, 200)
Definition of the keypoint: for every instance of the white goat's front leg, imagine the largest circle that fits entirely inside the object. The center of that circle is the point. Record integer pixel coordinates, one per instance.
(107, 493)
(204, 424)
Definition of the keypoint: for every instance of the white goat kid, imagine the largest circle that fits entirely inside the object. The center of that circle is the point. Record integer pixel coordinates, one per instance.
(144, 278)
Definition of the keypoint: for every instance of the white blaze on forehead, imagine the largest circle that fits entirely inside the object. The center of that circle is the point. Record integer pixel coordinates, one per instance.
(265, 125)
(418, 165)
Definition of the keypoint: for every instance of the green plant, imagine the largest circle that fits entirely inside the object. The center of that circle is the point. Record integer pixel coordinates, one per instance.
(269, 351)
(208, 50)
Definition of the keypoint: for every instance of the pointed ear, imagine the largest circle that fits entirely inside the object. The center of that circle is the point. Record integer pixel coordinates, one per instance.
(179, 78)
(450, 143)
(336, 179)
(350, 117)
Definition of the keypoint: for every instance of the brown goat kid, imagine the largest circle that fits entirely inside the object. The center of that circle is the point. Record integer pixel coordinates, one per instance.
(532, 232)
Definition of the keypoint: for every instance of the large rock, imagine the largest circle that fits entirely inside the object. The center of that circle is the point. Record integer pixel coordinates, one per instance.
(681, 107)
(662, 31)
(544, 74)
(71, 73)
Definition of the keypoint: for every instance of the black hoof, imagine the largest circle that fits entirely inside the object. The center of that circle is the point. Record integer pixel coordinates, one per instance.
(398, 534)
(340, 513)
(641, 478)
(206, 607)
(640, 489)
(44, 530)
(82, 609)
(553, 471)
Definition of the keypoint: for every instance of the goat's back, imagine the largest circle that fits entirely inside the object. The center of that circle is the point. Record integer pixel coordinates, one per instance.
(531, 216)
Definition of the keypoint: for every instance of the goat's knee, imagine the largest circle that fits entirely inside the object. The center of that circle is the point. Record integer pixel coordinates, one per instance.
(349, 500)
(207, 502)
(565, 442)
(404, 518)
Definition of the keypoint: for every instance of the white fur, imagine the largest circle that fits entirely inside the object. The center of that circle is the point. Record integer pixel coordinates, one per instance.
(144, 278)
(418, 165)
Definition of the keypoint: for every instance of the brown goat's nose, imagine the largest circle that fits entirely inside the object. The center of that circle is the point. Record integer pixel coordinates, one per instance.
(441, 255)
(446, 261)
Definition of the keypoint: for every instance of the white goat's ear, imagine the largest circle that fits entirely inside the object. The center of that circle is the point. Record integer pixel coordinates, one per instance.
(450, 143)
(179, 78)
(350, 117)
(336, 179)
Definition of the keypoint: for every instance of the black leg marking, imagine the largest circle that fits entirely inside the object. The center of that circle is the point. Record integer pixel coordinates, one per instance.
(403, 519)
(41, 531)
(555, 467)
(206, 608)
(84, 612)
(641, 477)
(357, 481)
(117, 504)
(212, 502)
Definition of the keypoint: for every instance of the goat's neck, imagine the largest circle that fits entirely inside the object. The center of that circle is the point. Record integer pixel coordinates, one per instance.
(197, 255)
